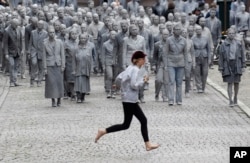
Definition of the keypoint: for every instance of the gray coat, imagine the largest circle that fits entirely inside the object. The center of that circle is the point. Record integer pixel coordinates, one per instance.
(133, 8)
(28, 29)
(2, 27)
(189, 7)
(159, 53)
(82, 61)
(36, 43)
(12, 42)
(215, 29)
(71, 48)
(53, 57)
(63, 3)
(54, 63)
(201, 47)
(149, 41)
(176, 52)
(66, 20)
(118, 47)
(242, 21)
(108, 58)
(224, 58)
(130, 46)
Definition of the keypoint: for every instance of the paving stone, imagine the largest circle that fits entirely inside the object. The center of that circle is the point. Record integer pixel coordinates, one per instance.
(199, 131)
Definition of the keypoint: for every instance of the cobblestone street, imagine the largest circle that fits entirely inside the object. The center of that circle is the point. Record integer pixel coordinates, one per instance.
(199, 131)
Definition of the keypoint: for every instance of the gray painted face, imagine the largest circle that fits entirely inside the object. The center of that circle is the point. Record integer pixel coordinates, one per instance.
(40, 25)
(165, 35)
(14, 23)
(134, 31)
(202, 22)
(124, 27)
(112, 35)
(198, 30)
(73, 34)
(63, 29)
(190, 31)
(83, 38)
(212, 13)
(184, 33)
(177, 30)
(231, 34)
(51, 33)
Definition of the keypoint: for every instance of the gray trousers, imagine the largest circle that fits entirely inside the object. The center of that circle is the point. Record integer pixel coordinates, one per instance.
(175, 80)
(161, 82)
(201, 72)
(37, 70)
(109, 77)
(188, 70)
(13, 65)
(213, 54)
(98, 58)
(1, 54)
(23, 63)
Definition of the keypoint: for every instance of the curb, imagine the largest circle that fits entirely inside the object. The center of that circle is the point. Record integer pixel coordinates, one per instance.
(5, 92)
(222, 91)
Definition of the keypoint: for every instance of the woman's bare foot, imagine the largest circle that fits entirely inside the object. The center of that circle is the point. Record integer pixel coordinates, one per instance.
(100, 133)
(150, 146)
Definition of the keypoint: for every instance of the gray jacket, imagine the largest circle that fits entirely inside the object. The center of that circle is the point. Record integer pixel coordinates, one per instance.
(159, 53)
(242, 21)
(201, 47)
(224, 58)
(118, 47)
(53, 56)
(28, 29)
(215, 29)
(176, 51)
(12, 42)
(107, 54)
(36, 43)
(82, 61)
(133, 8)
(130, 46)
(149, 41)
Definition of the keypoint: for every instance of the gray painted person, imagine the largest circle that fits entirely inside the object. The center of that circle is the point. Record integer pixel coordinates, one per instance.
(70, 46)
(118, 46)
(190, 61)
(161, 77)
(202, 50)
(176, 59)
(54, 65)
(12, 49)
(108, 62)
(82, 67)
(36, 53)
(242, 20)
(132, 43)
(232, 65)
(214, 25)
